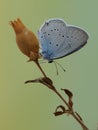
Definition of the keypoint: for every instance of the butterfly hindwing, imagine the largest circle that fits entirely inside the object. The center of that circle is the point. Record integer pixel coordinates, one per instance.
(76, 38)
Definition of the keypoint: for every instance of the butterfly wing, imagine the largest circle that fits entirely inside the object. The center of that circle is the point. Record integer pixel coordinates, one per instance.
(50, 35)
(58, 39)
(76, 38)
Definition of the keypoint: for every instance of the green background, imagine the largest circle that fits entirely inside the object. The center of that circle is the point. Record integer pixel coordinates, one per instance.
(31, 106)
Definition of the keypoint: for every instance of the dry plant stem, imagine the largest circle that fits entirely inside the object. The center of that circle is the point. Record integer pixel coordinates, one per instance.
(37, 63)
(46, 82)
(81, 123)
(71, 110)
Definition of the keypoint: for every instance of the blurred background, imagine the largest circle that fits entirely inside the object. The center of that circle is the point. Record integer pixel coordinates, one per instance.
(31, 106)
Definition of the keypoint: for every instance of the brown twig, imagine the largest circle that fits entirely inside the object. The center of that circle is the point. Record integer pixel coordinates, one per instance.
(49, 83)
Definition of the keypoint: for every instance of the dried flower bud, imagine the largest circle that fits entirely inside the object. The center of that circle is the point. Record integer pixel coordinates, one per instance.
(26, 40)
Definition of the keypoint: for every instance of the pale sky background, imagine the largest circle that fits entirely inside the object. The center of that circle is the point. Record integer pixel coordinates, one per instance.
(31, 106)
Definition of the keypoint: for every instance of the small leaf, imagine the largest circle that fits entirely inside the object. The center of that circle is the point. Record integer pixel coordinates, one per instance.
(59, 112)
(47, 80)
(70, 103)
(44, 80)
(70, 95)
(33, 81)
(79, 116)
(61, 107)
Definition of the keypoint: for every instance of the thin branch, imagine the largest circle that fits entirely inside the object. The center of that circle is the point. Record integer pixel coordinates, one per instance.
(49, 83)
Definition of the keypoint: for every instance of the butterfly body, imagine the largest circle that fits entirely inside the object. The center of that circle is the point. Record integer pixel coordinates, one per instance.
(58, 39)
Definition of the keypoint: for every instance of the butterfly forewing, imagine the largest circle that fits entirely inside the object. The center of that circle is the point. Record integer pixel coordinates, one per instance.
(76, 38)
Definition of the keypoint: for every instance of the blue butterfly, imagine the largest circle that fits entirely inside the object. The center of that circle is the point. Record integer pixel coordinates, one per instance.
(58, 39)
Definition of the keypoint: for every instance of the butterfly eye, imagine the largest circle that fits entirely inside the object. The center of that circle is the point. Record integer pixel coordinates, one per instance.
(50, 61)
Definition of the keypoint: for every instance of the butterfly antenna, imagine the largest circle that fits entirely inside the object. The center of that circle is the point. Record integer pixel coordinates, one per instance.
(56, 67)
(60, 65)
